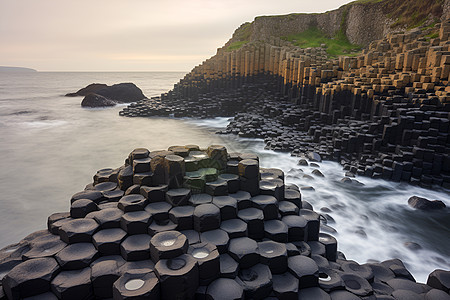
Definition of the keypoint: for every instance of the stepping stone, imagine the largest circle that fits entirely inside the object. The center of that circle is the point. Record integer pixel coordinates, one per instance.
(198, 199)
(243, 199)
(78, 231)
(154, 193)
(135, 222)
(134, 202)
(254, 218)
(224, 289)
(244, 251)
(107, 241)
(80, 208)
(256, 281)
(178, 197)
(178, 277)
(108, 218)
(136, 247)
(103, 275)
(161, 226)
(217, 237)
(274, 255)
(297, 228)
(208, 260)
(159, 210)
(206, 217)
(183, 217)
(228, 266)
(305, 269)
(234, 227)
(30, 278)
(232, 182)
(73, 285)
(137, 284)
(44, 246)
(268, 204)
(227, 206)
(169, 244)
(285, 286)
(276, 231)
(77, 256)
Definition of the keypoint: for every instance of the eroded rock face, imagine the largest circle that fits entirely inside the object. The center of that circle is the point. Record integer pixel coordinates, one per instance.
(425, 204)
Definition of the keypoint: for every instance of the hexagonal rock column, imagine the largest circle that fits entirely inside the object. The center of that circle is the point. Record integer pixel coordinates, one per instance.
(135, 222)
(178, 197)
(227, 206)
(305, 269)
(297, 228)
(276, 230)
(293, 196)
(256, 281)
(268, 204)
(104, 273)
(224, 289)
(234, 227)
(249, 176)
(73, 285)
(217, 237)
(30, 278)
(274, 255)
(206, 217)
(77, 256)
(285, 286)
(255, 222)
(168, 244)
(208, 260)
(245, 251)
(107, 218)
(136, 247)
(134, 202)
(137, 284)
(243, 199)
(272, 187)
(80, 208)
(218, 155)
(78, 231)
(125, 178)
(107, 241)
(313, 220)
(182, 216)
(233, 183)
(154, 193)
(178, 277)
(44, 246)
(175, 170)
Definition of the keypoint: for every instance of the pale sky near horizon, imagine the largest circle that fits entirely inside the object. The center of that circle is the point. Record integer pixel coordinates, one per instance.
(133, 35)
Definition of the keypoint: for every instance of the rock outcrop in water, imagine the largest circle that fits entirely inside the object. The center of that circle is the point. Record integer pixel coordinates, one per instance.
(425, 204)
(98, 94)
(383, 114)
(190, 223)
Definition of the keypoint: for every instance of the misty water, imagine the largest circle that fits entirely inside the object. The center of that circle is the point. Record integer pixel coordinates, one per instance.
(50, 147)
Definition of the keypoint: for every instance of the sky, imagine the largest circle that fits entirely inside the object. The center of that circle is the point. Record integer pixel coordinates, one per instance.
(128, 35)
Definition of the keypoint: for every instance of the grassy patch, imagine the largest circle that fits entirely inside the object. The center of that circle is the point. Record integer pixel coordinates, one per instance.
(432, 36)
(313, 37)
(241, 36)
(236, 45)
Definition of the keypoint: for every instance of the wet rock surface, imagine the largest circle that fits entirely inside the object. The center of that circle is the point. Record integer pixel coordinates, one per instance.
(231, 246)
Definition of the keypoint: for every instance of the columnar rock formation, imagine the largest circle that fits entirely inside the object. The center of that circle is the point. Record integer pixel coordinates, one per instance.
(191, 223)
(383, 113)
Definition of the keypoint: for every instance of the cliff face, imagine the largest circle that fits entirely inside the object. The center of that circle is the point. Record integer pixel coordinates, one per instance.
(361, 21)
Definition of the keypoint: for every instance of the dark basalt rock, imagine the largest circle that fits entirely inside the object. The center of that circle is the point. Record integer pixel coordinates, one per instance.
(239, 245)
(425, 204)
(94, 100)
(92, 88)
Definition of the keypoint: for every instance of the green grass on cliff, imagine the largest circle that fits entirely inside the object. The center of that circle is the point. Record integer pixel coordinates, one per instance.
(241, 37)
(314, 37)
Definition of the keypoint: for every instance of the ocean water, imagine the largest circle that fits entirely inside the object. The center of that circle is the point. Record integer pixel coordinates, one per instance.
(50, 147)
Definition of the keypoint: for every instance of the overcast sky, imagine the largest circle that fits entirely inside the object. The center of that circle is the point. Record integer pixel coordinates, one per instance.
(128, 35)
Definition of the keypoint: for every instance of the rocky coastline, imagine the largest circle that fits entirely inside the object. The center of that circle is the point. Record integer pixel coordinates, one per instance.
(191, 223)
(383, 114)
